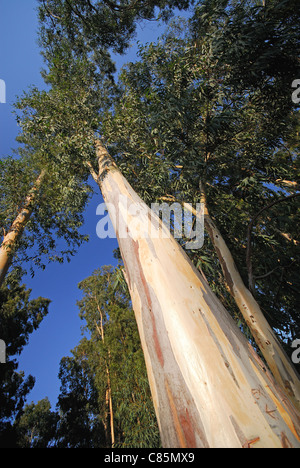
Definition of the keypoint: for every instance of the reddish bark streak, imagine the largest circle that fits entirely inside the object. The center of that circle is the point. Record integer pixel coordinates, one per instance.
(187, 426)
(158, 349)
(285, 441)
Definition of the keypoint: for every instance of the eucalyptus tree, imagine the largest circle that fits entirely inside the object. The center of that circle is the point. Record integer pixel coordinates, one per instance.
(182, 126)
(39, 202)
(174, 355)
(115, 356)
(36, 427)
(182, 325)
(41, 211)
(181, 322)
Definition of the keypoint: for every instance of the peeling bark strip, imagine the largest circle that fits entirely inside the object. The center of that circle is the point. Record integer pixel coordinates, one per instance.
(17, 228)
(209, 387)
(265, 338)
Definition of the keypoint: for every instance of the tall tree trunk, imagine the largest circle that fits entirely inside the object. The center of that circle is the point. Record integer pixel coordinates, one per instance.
(108, 393)
(16, 230)
(276, 358)
(111, 412)
(209, 387)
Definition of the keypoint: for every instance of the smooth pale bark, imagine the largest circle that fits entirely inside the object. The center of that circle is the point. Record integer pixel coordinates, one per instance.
(277, 360)
(111, 413)
(209, 387)
(17, 228)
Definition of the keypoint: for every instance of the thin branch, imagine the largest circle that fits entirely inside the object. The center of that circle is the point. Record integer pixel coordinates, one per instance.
(274, 269)
(249, 235)
(92, 6)
(77, 12)
(49, 11)
(267, 274)
(92, 171)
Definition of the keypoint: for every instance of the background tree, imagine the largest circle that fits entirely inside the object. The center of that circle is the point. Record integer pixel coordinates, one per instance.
(79, 424)
(19, 317)
(41, 211)
(104, 398)
(36, 428)
(116, 357)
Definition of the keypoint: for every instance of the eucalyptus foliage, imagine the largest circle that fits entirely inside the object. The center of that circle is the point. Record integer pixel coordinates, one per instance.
(100, 25)
(184, 118)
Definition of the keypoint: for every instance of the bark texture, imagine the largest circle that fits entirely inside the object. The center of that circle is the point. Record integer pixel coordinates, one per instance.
(209, 388)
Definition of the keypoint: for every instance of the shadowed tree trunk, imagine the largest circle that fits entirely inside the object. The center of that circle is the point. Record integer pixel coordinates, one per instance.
(209, 387)
(17, 228)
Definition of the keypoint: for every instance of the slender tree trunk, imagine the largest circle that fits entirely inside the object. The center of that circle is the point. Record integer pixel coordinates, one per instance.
(209, 387)
(277, 360)
(108, 393)
(16, 230)
(105, 419)
(111, 412)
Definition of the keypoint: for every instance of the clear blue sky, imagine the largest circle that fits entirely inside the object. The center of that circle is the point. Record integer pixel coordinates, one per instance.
(20, 65)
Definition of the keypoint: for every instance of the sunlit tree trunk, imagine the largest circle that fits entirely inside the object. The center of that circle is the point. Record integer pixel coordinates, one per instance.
(16, 230)
(209, 387)
(111, 412)
(108, 394)
(276, 358)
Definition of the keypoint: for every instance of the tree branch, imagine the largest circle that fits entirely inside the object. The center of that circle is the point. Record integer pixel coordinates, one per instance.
(274, 269)
(45, 3)
(249, 235)
(92, 171)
